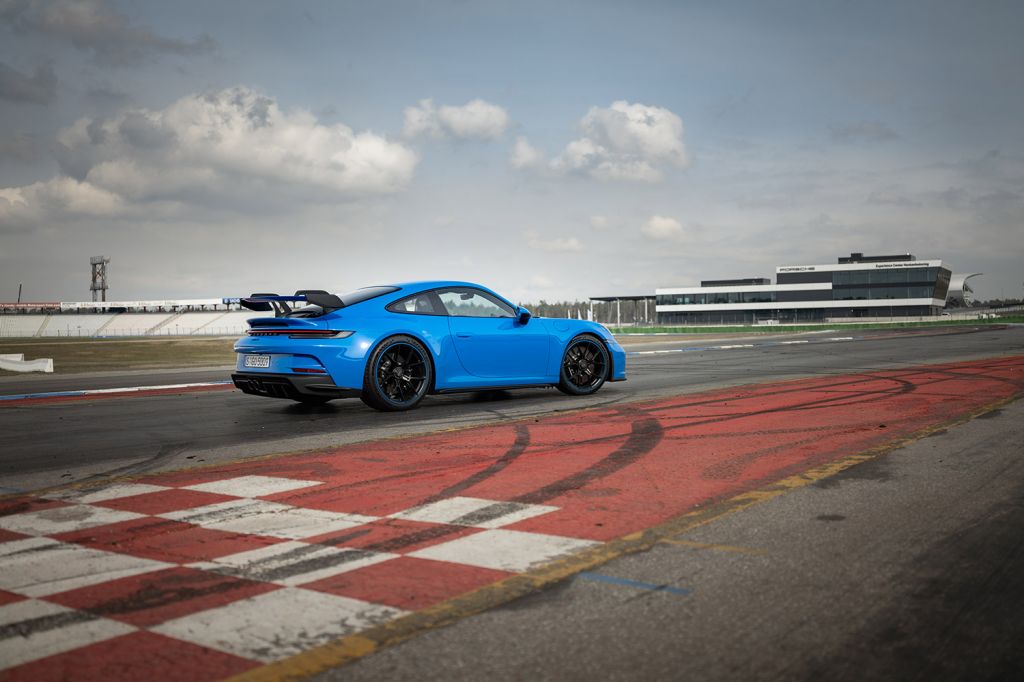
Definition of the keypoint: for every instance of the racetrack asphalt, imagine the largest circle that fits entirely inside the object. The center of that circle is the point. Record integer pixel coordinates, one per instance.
(64, 442)
(908, 558)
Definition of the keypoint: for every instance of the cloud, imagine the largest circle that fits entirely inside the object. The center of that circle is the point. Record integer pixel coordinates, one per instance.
(599, 222)
(553, 244)
(94, 26)
(525, 155)
(662, 228)
(632, 142)
(234, 150)
(39, 88)
(19, 206)
(475, 120)
(864, 132)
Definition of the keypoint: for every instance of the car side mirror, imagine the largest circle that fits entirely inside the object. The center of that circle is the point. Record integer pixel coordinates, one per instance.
(524, 315)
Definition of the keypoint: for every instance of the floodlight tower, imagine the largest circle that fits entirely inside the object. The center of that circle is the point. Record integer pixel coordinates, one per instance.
(99, 277)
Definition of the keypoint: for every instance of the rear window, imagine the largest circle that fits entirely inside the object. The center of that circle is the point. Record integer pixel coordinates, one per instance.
(349, 298)
(365, 294)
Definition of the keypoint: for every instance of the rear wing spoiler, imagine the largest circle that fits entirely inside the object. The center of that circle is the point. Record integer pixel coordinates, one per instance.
(279, 304)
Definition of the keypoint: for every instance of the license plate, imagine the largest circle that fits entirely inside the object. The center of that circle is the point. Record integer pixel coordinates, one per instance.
(256, 361)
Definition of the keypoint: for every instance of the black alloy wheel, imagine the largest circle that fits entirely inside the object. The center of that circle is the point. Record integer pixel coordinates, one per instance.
(397, 375)
(585, 366)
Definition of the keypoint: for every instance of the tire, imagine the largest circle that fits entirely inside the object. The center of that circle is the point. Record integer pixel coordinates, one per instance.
(585, 366)
(397, 375)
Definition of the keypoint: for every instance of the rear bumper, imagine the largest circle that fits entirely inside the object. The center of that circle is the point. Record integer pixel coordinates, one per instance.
(292, 386)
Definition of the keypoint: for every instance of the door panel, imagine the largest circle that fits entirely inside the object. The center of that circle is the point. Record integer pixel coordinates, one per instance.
(489, 340)
(501, 348)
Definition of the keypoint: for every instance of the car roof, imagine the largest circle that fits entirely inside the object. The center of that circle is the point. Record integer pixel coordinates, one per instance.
(409, 288)
(433, 284)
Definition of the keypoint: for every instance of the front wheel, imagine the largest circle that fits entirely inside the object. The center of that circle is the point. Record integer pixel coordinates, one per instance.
(585, 366)
(397, 376)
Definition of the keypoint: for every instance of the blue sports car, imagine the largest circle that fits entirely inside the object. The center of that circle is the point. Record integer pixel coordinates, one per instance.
(392, 345)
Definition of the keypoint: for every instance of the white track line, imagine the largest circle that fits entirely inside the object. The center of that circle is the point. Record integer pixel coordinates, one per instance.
(100, 391)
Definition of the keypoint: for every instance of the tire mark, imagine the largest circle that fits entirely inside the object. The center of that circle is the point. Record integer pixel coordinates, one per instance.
(519, 446)
(645, 435)
(870, 396)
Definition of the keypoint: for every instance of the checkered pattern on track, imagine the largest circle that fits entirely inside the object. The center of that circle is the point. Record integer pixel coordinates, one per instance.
(214, 578)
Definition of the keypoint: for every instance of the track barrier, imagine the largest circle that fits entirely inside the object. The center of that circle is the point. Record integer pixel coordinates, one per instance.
(16, 362)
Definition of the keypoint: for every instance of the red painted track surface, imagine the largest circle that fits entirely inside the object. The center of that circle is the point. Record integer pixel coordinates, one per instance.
(583, 476)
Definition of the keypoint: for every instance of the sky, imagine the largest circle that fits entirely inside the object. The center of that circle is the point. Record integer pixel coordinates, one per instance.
(549, 150)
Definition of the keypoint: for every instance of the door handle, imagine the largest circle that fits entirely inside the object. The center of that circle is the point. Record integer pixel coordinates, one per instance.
(463, 335)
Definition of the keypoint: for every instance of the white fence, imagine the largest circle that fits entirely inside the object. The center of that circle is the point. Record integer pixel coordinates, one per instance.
(214, 323)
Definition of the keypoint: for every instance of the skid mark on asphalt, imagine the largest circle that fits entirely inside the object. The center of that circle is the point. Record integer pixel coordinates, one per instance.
(251, 563)
(518, 447)
(635, 584)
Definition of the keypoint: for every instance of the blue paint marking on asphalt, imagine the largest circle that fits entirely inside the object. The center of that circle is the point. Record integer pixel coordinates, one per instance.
(682, 591)
(25, 396)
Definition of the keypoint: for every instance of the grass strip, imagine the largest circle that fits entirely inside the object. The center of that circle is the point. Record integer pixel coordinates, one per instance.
(73, 356)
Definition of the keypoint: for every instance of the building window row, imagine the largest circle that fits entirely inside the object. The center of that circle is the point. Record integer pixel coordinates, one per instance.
(892, 276)
(881, 293)
(717, 297)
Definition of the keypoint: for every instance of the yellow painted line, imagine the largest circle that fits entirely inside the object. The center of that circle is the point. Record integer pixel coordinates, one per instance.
(716, 547)
(354, 647)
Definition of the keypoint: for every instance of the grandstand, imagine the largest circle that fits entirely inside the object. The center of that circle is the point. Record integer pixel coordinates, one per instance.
(72, 325)
(21, 325)
(232, 323)
(126, 324)
(134, 324)
(188, 324)
(193, 317)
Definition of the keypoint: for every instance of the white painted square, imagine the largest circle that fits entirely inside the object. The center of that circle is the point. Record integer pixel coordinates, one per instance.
(39, 629)
(505, 550)
(36, 567)
(293, 563)
(259, 517)
(252, 486)
(64, 519)
(112, 492)
(473, 511)
(277, 624)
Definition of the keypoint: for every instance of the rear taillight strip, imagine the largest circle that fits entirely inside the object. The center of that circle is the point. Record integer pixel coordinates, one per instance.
(299, 333)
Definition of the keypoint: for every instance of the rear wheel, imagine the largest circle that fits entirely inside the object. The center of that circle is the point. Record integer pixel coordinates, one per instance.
(585, 366)
(397, 376)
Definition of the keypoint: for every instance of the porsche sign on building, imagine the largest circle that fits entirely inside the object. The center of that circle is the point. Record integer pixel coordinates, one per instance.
(855, 286)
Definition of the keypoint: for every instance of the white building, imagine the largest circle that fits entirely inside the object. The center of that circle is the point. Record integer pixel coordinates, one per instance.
(855, 286)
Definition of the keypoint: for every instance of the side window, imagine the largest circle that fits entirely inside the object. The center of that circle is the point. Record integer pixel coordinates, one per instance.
(422, 303)
(466, 302)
